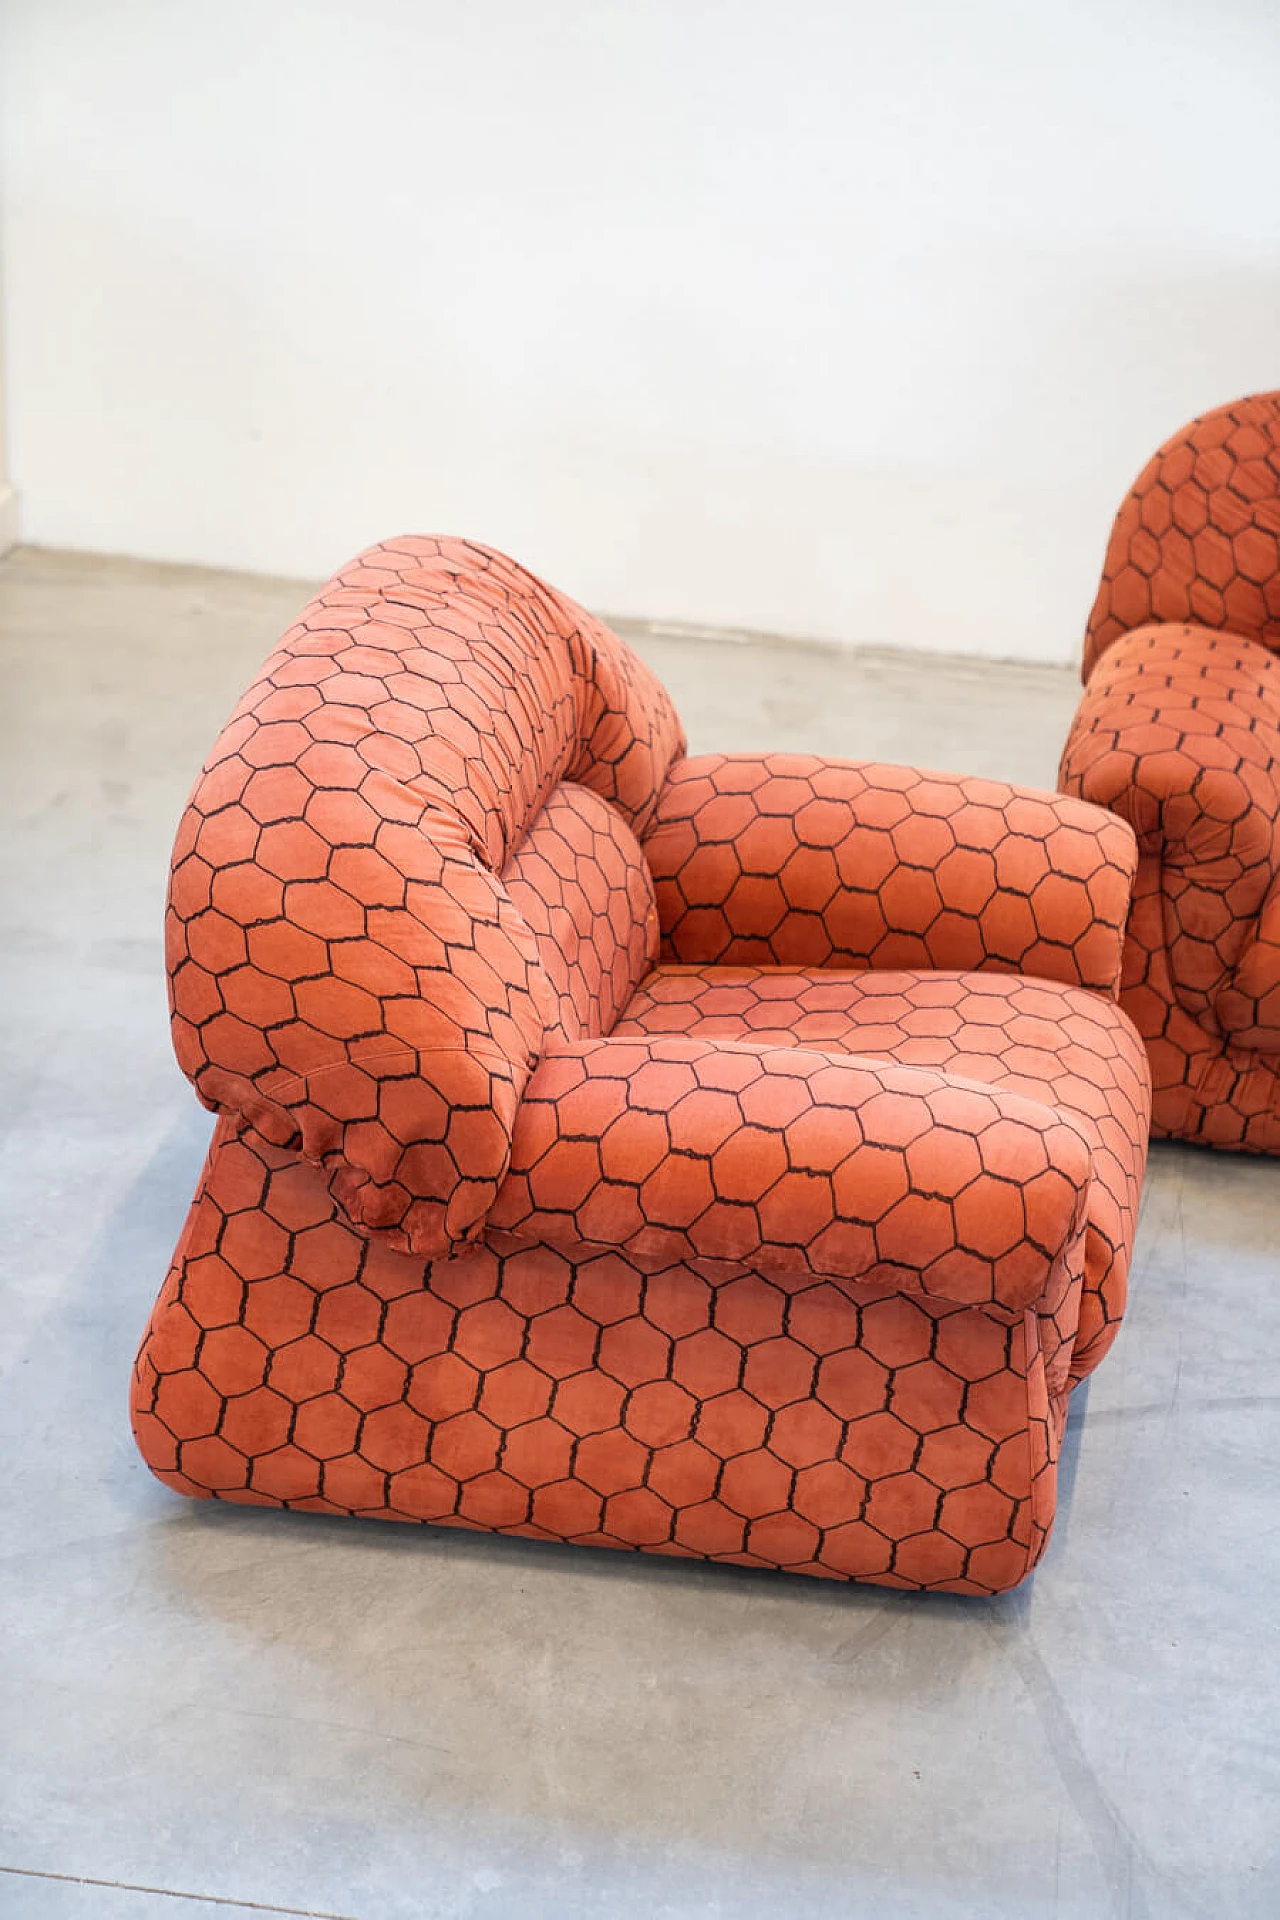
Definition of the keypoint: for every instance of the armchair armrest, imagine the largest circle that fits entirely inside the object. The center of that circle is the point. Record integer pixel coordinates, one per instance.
(792, 860)
(1179, 734)
(792, 1161)
(356, 986)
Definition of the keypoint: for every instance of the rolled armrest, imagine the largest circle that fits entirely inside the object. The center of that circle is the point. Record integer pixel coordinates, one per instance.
(1178, 733)
(372, 1006)
(794, 1161)
(792, 860)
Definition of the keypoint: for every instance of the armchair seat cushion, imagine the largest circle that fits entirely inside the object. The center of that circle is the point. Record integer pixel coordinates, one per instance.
(1070, 1049)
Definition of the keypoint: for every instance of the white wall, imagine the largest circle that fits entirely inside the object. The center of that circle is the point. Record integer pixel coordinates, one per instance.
(9, 515)
(834, 317)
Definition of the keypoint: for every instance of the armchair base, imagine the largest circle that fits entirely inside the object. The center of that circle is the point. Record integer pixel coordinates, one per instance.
(1204, 1089)
(791, 1422)
(290, 1362)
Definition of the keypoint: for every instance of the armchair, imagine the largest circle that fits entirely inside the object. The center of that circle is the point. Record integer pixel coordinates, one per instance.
(724, 1156)
(1179, 734)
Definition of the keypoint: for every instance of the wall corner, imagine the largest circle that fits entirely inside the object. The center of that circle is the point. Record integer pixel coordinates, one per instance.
(10, 517)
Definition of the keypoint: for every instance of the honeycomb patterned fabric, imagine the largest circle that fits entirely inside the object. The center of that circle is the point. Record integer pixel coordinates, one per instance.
(734, 1157)
(349, 974)
(1179, 734)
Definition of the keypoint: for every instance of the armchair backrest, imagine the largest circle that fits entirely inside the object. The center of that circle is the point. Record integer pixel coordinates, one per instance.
(1198, 537)
(438, 776)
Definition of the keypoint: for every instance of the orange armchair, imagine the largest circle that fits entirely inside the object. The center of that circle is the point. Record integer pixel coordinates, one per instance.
(728, 1156)
(1179, 734)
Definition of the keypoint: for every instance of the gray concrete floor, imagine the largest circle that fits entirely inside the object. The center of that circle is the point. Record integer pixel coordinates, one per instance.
(320, 1716)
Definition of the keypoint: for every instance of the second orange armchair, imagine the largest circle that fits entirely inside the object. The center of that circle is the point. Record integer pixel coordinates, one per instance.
(1179, 733)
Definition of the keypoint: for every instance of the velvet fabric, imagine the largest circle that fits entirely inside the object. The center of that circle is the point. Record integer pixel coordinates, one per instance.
(729, 1156)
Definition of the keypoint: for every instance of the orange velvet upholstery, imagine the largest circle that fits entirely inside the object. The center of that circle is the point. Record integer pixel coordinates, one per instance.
(787, 860)
(729, 1157)
(1179, 734)
(349, 974)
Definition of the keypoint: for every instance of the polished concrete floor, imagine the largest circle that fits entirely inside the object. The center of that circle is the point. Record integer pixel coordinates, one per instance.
(205, 1709)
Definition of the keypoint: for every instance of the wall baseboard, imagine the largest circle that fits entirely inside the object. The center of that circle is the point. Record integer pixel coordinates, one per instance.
(632, 627)
(53, 561)
(9, 517)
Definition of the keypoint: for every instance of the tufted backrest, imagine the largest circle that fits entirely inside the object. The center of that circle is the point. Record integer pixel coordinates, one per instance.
(1198, 537)
(411, 858)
